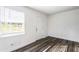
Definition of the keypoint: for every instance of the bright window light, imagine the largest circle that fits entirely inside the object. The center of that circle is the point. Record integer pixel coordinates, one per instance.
(11, 21)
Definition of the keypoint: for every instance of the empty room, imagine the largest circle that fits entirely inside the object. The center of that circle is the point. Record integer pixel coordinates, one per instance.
(39, 29)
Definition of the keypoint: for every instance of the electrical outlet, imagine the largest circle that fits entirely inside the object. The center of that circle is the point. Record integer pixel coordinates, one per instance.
(36, 29)
(12, 44)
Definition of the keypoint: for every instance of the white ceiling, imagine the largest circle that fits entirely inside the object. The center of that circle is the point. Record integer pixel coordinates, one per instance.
(53, 9)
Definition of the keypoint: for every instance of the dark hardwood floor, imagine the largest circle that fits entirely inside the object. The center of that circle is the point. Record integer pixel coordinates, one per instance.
(50, 44)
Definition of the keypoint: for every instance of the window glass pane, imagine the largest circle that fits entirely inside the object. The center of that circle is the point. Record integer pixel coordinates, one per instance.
(17, 21)
(2, 21)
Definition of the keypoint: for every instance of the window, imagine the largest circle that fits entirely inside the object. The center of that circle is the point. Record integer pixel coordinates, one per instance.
(11, 21)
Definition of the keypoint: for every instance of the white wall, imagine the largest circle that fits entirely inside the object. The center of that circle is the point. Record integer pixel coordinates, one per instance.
(65, 25)
(33, 20)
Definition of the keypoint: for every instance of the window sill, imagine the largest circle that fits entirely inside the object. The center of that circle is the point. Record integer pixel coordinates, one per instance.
(11, 34)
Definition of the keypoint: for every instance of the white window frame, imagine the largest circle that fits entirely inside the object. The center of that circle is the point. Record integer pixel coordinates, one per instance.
(14, 33)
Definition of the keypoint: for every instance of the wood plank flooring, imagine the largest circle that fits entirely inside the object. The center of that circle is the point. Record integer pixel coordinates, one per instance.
(50, 44)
